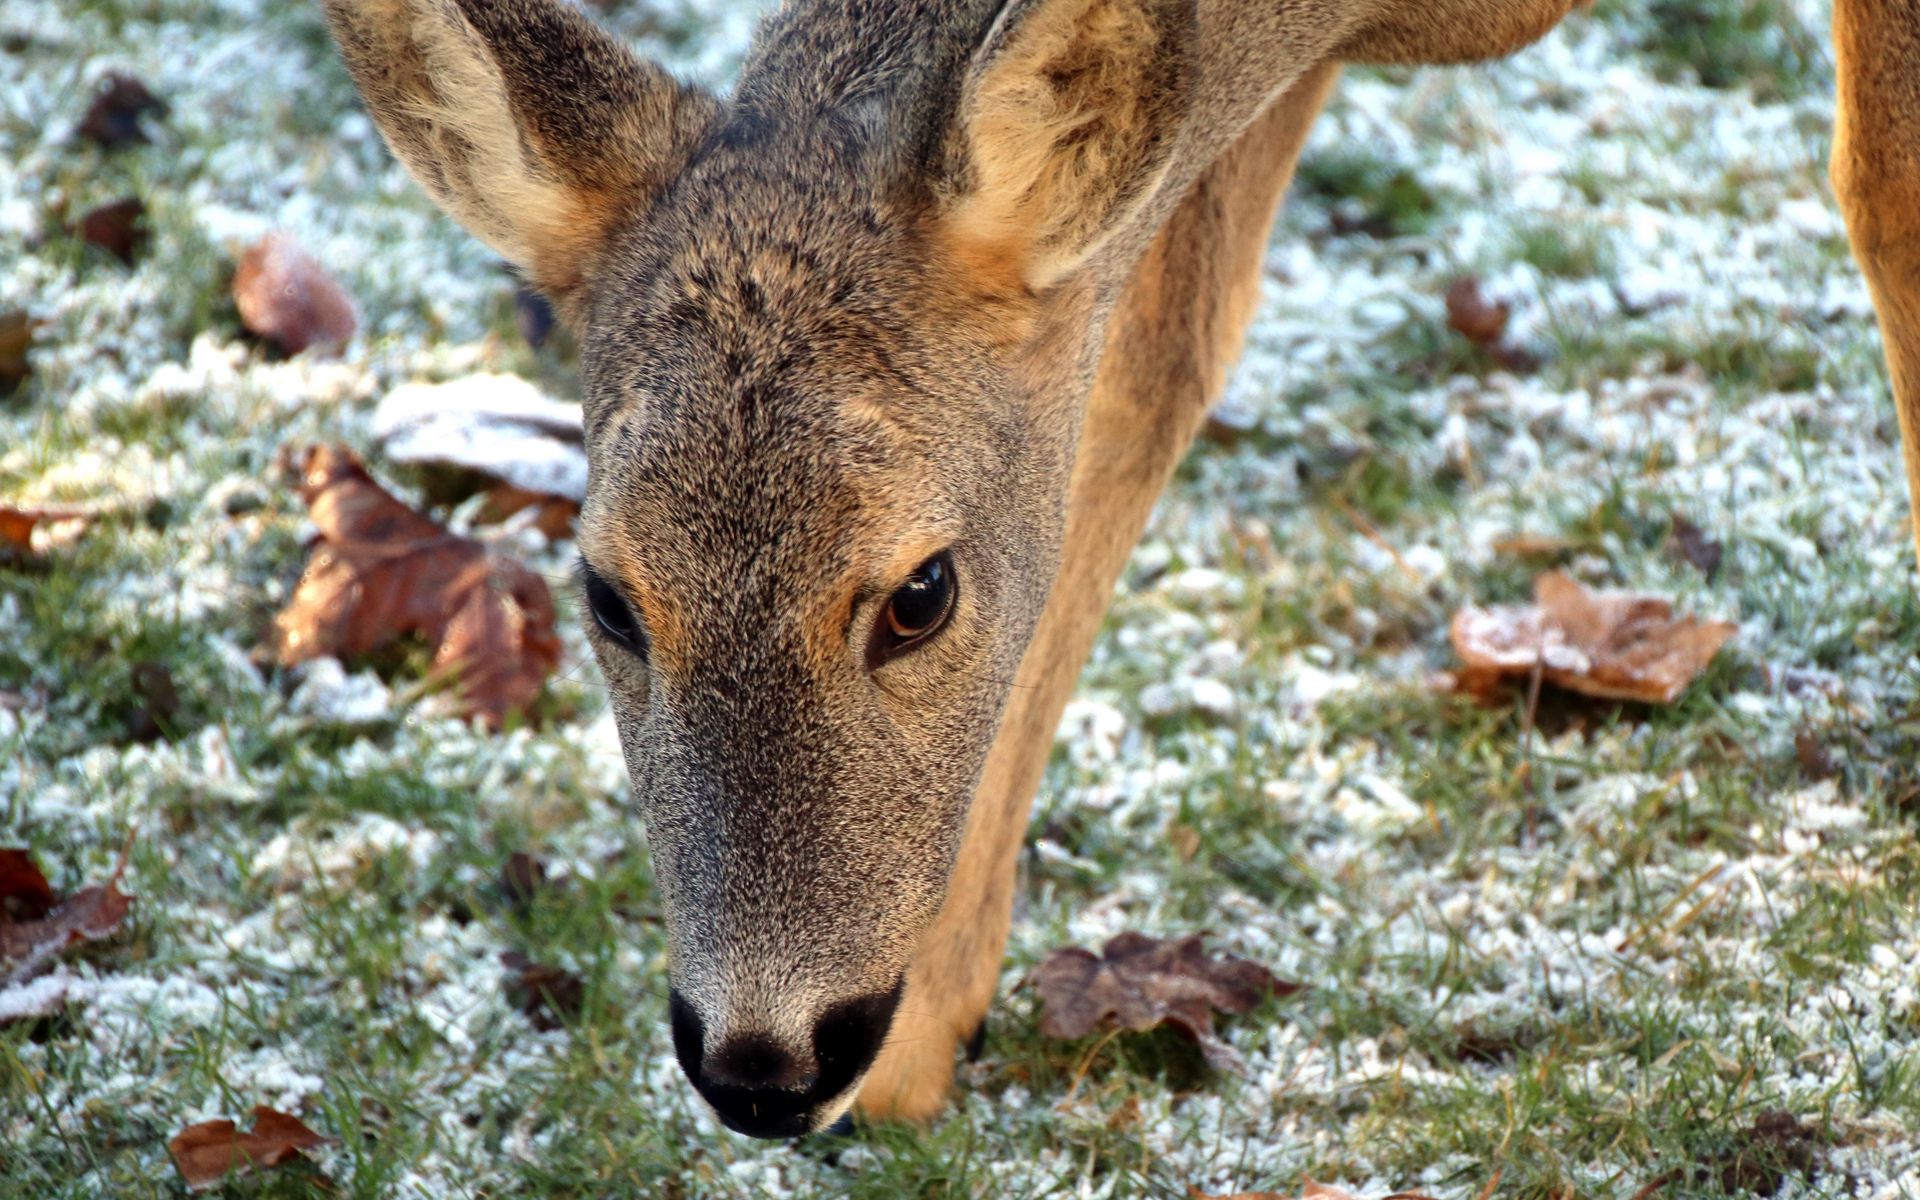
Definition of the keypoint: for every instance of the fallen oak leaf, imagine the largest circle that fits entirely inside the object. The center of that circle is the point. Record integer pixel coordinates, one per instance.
(53, 526)
(211, 1152)
(24, 891)
(287, 297)
(1474, 317)
(553, 516)
(1484, 323)
(16, 338)
(379, 570)
(549, 996)
(1140, 982)
(119, 228)
(1693, 546)
(90, 914)
(1615, 645)
(498, 425)
(1310, 1190)
(113, 119)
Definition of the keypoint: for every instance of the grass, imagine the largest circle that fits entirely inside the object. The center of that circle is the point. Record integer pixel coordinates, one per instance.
(1561, 950)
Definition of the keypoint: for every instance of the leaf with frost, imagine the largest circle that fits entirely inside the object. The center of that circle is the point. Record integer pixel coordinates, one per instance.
(1309, 1191)
(36, 530)
(119, 101)
(1140, 982)
(1616, 645)
(87, 915)
(379, 570)
(287, 297)
(499, 425)
(24, 891)
(212, 1152)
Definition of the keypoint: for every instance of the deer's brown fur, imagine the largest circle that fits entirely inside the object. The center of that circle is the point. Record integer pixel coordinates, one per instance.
(938, 275)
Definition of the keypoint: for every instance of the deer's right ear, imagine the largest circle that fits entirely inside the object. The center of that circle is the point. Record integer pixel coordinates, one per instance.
(1066, 125)
(527, 122)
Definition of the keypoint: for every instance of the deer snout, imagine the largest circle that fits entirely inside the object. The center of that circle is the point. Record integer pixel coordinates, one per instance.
(763, 1086)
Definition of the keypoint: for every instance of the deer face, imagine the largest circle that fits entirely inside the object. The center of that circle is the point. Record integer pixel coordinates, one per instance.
(835, 338)
(815, 543)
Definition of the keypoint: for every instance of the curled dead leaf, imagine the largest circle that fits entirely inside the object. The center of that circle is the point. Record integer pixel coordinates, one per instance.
(38, 530)
(379, 570)
(287, 297)
(1483, 321)
(1615, 645)
(553, 516)
(88, 915)
(549, 996)
(1140, 982)
(1694, 547)
(24, 891)
(16, 338)
(211, 1152)
(1474, 317)
(119, 101)
(119, 228)
(1310, 1190)
(499, 425)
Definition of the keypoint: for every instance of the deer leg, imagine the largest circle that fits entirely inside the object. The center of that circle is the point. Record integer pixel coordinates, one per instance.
(1876, 175)
(1176, 330)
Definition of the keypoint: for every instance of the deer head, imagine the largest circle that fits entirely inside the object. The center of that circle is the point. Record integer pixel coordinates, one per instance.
(837, 334)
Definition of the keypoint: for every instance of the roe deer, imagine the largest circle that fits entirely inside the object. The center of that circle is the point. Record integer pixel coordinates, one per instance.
(886, 357)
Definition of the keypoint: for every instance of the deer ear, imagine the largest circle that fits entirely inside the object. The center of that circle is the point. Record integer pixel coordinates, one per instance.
(1066, 126)
(524, 120)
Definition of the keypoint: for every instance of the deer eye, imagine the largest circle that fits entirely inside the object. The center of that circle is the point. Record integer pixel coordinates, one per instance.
(610, 611)
(916, 611)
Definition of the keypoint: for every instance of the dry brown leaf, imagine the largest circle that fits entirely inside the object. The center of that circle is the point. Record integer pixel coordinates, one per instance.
(1310, 1191)
(380, 570)
(56, 526)
(1531, 545)
(1615, 645)
(1694, 547)
(553, 515)
(550, 996)
(211, 1152)
(16, 338)
(1484, 323)
(113, 119)
(1141, 982)
(1816, 761)
(24, 891)
(88, 915)
(118, 228)
(287, 297)
(1474, 317)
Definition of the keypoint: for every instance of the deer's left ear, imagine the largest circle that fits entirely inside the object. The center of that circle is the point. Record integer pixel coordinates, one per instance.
(528, 123)
(1066, 126)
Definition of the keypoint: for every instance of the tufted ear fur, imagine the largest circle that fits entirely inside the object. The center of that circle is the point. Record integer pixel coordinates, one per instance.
(527, 122)
(1066, 125)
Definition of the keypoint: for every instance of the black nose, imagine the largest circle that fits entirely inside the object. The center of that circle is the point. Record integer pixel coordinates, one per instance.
(763, 1089)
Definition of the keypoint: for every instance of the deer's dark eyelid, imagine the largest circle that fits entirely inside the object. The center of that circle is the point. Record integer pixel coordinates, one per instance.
(610, 610)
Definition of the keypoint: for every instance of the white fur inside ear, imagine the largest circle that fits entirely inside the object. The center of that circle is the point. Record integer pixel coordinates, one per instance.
(491, 182)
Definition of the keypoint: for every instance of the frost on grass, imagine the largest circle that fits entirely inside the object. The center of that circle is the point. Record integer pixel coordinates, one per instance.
(1648, 927)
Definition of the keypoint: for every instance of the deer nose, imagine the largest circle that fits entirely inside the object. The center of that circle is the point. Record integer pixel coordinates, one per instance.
(761, 1088)
(756, 1061)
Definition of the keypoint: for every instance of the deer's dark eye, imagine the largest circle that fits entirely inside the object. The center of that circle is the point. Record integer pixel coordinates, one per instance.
(610, 612)
(916, 610)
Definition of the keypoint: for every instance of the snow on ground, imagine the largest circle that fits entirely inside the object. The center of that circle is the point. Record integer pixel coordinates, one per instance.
(1666, 921)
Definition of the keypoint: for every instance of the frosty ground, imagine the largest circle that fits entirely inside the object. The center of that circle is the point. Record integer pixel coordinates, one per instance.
(1574, 960)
